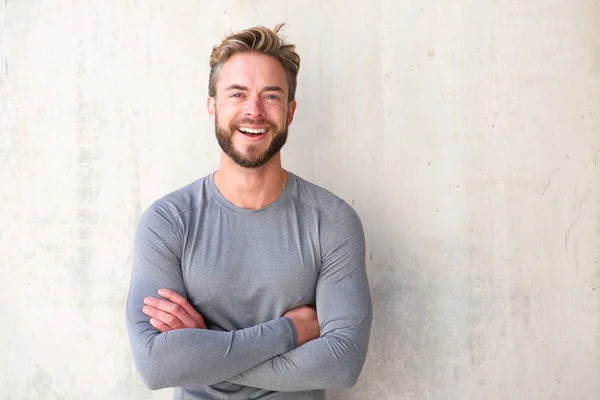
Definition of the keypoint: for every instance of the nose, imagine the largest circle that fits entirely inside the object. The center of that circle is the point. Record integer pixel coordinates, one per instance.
(254, 107)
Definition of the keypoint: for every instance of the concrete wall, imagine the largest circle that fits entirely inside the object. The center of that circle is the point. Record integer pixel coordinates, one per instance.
(465, 133)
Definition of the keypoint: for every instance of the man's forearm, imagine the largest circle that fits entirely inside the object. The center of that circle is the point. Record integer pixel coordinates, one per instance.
(193, 358)
(330, 362)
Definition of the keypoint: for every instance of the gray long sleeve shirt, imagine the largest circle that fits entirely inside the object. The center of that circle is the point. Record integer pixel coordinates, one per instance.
(242, 270)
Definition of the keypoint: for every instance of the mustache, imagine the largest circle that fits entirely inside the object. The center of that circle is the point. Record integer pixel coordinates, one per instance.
(251, 121)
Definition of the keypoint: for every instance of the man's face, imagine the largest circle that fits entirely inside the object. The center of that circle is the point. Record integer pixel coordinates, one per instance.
(250, 110)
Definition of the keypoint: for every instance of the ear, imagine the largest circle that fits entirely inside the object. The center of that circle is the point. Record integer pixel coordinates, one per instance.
(291, 111)
(211, 106)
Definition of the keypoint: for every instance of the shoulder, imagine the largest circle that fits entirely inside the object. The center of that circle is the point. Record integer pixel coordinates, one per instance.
(176, 204)
(336, 211)
(313, 195)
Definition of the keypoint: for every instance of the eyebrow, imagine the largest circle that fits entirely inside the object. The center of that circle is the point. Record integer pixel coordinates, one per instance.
(235, 87)
(266, 89)
(273, 89)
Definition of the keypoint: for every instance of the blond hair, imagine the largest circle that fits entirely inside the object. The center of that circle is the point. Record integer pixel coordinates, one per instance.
(260, 40)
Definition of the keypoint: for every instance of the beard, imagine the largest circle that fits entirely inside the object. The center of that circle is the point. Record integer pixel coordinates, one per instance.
(254, 157)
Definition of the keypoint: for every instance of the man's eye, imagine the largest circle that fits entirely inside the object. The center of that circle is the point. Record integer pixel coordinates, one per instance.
(272, 97)
(237, 95)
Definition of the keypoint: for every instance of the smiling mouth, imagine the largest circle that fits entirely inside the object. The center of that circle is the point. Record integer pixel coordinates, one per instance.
(252, 132)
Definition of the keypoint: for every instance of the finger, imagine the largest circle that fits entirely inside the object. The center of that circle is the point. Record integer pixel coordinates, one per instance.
(174, 309)
(180, 300)
(165, 305)
(151, 312)
(197, 319)
(159, 325)
(168, 319)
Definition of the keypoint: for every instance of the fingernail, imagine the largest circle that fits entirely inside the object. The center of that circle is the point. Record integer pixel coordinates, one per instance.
(146, 309)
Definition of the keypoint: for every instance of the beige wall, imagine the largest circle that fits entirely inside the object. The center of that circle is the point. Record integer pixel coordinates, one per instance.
(465, 133)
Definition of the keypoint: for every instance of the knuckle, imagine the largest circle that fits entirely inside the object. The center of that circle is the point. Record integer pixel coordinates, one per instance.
(176, 324)
(156, 303)
(173, 300)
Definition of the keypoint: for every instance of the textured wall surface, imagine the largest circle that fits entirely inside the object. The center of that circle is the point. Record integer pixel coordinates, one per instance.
(465, 133)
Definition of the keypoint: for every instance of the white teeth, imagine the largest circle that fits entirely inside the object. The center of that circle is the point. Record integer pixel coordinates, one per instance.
(248, 130)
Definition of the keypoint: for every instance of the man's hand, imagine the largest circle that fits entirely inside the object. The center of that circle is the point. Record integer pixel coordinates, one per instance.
(306, 323)
(177, 313)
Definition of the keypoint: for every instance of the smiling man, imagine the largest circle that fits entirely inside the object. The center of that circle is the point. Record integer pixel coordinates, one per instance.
(250, 283)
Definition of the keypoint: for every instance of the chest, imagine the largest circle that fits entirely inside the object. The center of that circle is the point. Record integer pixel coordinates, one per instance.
(242, 271)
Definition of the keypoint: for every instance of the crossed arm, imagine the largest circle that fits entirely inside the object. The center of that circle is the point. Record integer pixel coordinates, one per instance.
(177, 313)
(278, 355)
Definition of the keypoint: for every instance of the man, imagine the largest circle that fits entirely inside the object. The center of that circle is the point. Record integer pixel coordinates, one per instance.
(231, 271)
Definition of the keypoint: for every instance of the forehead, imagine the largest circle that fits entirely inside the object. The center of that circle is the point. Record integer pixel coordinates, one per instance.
(252, 70)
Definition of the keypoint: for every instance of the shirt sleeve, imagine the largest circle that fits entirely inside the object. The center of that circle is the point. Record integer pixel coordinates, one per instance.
(189, 358)
(344, 310)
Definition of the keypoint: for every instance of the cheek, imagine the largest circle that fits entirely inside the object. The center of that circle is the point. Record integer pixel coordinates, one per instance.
(279, 114)
(225, 116)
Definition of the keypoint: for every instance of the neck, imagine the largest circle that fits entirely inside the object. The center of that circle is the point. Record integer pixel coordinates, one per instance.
(250, 188)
